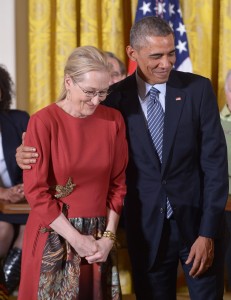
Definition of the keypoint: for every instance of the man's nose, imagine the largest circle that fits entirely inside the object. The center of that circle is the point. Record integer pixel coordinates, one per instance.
(165, 62)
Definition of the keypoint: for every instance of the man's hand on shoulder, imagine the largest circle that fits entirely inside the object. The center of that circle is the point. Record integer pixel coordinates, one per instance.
(25, 155)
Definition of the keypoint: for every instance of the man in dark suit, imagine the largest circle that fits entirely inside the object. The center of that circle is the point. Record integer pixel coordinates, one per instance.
(192, 174)
(189, 175)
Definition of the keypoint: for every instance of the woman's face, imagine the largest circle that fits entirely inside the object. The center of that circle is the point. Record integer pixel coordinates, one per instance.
(84, 96)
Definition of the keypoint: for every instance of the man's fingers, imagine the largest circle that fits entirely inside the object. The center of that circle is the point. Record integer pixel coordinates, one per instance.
(29, 149)
(24, 167)
(189, 260)
(23, 137)
(25, 163)
(199, 267)
(195, 267)
(190, 257)
(26, 156)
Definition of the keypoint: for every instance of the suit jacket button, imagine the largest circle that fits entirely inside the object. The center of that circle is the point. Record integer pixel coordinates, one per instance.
(164, 182)
(162, 210)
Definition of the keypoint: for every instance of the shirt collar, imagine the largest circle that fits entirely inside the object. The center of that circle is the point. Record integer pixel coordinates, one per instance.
(144, 87)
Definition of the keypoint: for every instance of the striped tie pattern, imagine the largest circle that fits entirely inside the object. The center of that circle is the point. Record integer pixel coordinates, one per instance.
(155, 119)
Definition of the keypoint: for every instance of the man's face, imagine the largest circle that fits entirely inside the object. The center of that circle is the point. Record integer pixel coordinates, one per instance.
(155, 58)
(115, 74)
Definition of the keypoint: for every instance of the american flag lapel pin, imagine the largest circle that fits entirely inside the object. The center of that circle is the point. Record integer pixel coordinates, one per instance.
(178, 98)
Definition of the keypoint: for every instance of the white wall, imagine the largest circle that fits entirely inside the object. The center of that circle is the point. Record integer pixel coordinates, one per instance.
(7, 36)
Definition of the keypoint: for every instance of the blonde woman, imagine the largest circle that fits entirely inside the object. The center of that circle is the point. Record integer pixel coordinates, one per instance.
(75, 189)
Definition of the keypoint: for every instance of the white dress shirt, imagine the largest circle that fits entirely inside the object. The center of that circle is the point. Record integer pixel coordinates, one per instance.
(143, 93)
(4, 175)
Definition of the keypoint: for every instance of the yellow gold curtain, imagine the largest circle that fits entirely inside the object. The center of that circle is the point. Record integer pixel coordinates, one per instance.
(57, 26)
(52, 36)
(65, 20)
(224, 60)
(112, 27)
(198, 17)
(90, 13)
(39, 54)
(208, 25)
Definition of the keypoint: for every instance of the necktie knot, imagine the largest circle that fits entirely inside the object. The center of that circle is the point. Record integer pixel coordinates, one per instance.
(154, 94)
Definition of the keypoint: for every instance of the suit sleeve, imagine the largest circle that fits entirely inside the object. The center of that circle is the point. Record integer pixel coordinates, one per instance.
(213, 161)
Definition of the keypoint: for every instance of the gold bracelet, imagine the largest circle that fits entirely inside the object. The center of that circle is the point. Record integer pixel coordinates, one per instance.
(110, 235)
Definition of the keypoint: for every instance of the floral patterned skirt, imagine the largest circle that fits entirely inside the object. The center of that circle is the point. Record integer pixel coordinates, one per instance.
(65, 275)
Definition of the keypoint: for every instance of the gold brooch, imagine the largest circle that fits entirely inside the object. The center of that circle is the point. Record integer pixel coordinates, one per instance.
(64, 190)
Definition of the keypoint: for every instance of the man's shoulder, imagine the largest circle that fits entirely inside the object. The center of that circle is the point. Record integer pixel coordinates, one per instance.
(183, 79)
(121, 92)
(185, 76)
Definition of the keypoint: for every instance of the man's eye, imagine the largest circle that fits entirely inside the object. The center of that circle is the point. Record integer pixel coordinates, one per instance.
(156, 56)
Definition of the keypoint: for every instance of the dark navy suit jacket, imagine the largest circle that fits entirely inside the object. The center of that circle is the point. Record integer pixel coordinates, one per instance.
(13, 123)
(193, 174)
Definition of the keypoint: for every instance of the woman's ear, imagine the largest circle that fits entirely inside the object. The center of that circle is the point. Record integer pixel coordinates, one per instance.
(67, 81)
(131, 53)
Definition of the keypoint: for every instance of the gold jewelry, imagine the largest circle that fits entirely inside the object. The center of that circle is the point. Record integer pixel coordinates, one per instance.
(110, 235)
(64, 190)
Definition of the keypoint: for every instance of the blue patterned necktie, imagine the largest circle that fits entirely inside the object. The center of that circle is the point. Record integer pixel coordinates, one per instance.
(155, 119)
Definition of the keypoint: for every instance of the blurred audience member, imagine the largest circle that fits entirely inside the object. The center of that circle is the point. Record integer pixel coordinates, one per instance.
(12, 124)
(117, 68)
(226, 124)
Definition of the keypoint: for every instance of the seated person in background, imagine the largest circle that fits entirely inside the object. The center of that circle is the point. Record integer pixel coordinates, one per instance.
(12, 124)
(226, 124)
(117, 68)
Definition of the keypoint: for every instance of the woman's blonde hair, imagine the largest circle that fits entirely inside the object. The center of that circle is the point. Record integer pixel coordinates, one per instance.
(81, 61)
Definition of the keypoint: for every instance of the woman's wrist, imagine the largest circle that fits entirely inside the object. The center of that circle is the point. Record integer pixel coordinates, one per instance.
(110, 235)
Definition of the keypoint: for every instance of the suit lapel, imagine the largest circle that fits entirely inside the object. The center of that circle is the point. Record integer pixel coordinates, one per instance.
(174, 102)
(136, 124)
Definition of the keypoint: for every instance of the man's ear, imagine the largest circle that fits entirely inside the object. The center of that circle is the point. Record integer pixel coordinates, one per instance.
(131, 53)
